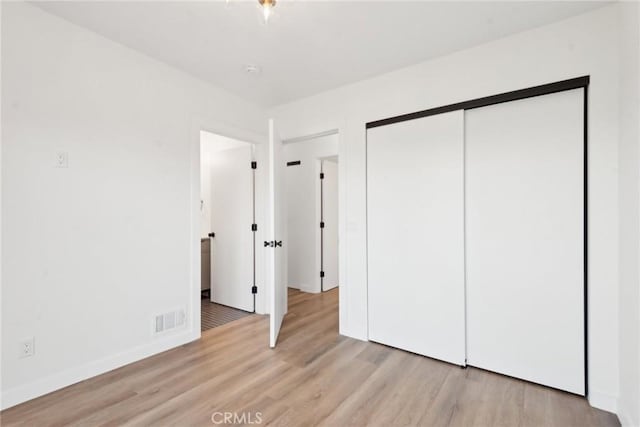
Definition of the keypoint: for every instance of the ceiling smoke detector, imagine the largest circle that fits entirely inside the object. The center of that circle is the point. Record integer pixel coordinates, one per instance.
(252, 69)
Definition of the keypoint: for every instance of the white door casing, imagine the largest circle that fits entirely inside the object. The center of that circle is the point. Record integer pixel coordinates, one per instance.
(330, 219)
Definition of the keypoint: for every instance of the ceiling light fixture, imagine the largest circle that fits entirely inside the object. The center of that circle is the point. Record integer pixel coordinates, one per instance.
(267, 8)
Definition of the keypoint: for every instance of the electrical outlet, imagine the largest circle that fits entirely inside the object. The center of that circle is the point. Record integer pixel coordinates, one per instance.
(27, 347)
(62, 159)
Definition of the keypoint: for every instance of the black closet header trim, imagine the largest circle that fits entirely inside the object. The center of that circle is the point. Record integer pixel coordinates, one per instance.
(576, 83)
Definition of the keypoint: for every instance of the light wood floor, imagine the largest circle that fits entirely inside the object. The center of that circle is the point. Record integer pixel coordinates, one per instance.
(313, 377)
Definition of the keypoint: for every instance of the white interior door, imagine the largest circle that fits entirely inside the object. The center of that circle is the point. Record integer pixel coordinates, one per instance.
(231, 219)
(330, 219)
(276, 258)
(525, 239)
(415, 236)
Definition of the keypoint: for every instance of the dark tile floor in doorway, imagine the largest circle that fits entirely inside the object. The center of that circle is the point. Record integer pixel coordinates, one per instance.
(214, 315)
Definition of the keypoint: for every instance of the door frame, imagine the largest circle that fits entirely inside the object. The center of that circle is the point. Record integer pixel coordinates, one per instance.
(259, 142)
(319, 213)
(581, 82)
(342, 213)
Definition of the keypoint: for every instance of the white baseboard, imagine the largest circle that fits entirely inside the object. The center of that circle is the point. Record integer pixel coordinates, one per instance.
(626, 418)
(309, 289)
(40, 387)
(604, 401)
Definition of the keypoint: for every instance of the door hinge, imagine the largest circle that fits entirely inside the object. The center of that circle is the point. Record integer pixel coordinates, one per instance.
(322, 224)
(321, 175)
(212, 235)
(254, 165)
(254, 227)
(254, 289)
(322, 274)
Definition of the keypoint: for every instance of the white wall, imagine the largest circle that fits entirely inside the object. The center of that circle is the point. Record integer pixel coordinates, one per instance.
(586, 44)
(302, 206)
(93, 251)
(629, 227)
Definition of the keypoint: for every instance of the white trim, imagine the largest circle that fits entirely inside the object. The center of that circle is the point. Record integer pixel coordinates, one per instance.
(625, 417)
(604, 401)
(343, 288)
(310, 137)
(317, 286)
(91, 369)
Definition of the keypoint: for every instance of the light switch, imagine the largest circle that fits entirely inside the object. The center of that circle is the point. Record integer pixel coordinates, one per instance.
(62, 159)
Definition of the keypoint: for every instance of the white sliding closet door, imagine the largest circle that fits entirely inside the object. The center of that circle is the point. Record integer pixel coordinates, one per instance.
(415, 236)
(525, 239)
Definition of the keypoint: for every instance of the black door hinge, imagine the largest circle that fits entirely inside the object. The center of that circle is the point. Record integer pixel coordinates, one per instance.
(212, 235)
(254, 289)
(321, 175)
(254, 227)
(322, 224)
(322, 274)
(254, 165)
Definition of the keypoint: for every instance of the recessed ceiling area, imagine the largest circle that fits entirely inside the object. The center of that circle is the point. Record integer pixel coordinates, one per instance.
(308, 46)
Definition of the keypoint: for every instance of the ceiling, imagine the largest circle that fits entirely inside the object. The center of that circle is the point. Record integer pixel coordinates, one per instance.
(308, 46)
(213, 142)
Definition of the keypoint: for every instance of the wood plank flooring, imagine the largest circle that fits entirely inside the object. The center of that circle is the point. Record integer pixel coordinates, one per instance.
(313, 377)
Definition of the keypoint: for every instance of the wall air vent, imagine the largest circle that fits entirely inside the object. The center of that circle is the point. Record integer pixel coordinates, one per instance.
(168, 321)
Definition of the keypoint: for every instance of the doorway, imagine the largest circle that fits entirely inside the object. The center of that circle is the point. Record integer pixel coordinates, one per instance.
(312, 213)
(328, 220)
(227, 231)
(298, 211)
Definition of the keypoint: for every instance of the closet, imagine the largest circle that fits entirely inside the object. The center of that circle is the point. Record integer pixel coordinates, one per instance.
(476, 233)
(415, 222)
